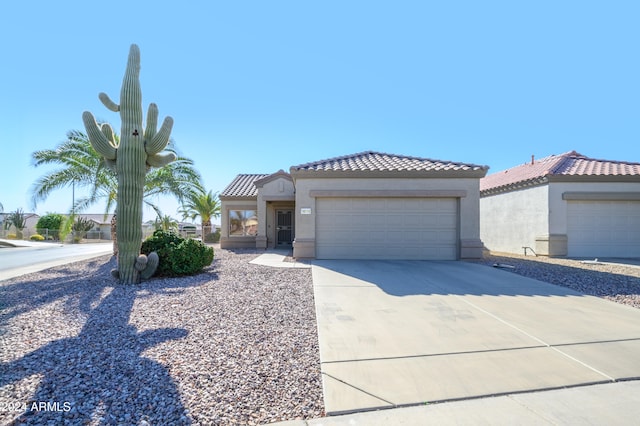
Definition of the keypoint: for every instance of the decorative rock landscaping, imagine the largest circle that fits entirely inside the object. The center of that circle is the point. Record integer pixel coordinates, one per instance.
(236, 344)
(618, 282)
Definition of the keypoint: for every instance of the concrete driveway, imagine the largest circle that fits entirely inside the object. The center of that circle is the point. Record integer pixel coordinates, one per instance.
(396, 333)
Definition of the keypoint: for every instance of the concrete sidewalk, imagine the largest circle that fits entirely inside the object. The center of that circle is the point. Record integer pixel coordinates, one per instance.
(397, 333)
(27, 257)
(609, 404)
(278, 259)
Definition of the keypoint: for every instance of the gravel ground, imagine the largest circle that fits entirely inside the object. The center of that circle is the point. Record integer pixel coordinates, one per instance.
(613, 281)
(236, 344)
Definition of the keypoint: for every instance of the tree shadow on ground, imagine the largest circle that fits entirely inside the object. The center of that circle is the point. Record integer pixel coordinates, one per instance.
(407, 278)
(99, 376)
(592, 279)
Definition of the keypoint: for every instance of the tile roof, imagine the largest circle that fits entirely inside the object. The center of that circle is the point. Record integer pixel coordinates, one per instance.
(567, 164)
(379, 161)
(97, 217)
(243, 186)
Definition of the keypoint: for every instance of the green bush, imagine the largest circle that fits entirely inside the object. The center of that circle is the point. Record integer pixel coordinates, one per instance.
(178, 256)
(51, 222)
(212, 237)
(37, 237)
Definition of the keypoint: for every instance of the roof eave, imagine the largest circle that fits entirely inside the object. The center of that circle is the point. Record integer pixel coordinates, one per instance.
(346, 174)
(557, 178)
(515, 186)
(274, 176)
(238, 198)
(594, 178)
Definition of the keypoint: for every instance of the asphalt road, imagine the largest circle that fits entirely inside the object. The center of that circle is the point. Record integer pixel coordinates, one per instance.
(16, 261)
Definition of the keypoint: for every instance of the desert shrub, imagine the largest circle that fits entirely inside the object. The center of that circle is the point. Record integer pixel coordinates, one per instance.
(80, 228)
(52, 222)
(12, 237)
(212, 237)
(36, 237)
(178, 256)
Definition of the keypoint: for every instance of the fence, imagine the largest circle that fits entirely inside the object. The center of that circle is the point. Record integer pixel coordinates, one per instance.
(97, 235)
(54, 235)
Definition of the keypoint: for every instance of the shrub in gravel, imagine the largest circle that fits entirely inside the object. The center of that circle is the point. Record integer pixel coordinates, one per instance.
(212, 237)
(36, 237)
(178, 256)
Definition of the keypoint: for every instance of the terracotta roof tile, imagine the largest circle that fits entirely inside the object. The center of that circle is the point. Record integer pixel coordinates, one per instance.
(567, 164)
(379, 161)
(243, 186)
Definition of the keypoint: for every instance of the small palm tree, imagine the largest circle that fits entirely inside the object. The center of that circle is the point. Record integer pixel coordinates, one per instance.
(203, 204)
(18, 220)
(166, 223)
(80, 228)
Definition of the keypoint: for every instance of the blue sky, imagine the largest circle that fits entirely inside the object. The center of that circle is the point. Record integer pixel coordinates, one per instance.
(259, 86)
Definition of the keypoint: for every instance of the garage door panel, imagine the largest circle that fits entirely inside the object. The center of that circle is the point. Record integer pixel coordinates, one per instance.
(386, 228)
(603, 228)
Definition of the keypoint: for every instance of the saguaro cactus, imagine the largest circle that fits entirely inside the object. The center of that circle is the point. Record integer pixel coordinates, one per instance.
(137, 151)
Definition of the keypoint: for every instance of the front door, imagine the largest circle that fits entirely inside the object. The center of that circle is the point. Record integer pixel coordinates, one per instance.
(284, 228)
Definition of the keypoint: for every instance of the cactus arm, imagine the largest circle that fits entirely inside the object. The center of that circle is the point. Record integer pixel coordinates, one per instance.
(108, 132)
(147, 265)
(160, 160)
(160, 139)
(141, 263)
(152, 122)
(152, 264)
(106, 101)
(98, 140)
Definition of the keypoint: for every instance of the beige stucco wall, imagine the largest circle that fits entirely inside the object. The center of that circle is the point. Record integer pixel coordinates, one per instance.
(512, 220)
(470, 244)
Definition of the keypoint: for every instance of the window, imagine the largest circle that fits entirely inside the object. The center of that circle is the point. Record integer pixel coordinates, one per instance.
(243, 223)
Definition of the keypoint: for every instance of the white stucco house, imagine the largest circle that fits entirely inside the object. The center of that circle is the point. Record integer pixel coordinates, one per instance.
(563, 205)
(368, 205)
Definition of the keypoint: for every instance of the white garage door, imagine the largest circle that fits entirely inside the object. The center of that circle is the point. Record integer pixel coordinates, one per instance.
(603, 228)
(386, 228)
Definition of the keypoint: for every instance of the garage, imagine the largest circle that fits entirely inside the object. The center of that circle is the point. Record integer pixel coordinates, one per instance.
(603, 228)
(598, 228)
(387, 228)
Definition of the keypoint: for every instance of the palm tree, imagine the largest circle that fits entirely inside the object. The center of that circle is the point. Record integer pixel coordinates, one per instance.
(85, 168)
(18, 220)
(82, 166)
(203, 204)
(166, 223)
(80, 228)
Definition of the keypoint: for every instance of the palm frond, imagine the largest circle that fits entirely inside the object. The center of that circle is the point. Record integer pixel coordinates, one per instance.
(80, 165)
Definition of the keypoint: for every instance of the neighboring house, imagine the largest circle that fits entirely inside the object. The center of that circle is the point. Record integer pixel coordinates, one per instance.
(563, 205)
(368, 205)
